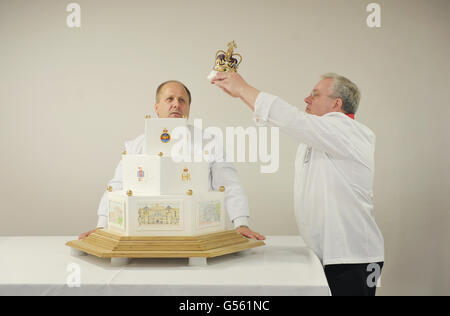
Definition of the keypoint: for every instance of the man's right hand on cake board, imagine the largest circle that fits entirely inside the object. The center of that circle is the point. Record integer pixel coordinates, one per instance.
(247, 232)
(84, 235)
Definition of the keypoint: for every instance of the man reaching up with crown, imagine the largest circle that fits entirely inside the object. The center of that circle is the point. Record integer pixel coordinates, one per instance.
(334, 171)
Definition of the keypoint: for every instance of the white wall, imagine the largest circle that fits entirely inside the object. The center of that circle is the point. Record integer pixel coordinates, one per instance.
(69, 98)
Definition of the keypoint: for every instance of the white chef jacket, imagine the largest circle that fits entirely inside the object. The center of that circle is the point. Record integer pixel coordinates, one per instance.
(221, 174)
(333, 186)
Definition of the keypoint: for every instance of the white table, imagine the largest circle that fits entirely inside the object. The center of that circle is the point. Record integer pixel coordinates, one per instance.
(43, 266)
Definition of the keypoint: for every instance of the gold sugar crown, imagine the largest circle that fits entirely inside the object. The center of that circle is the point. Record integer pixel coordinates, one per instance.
(226, 61)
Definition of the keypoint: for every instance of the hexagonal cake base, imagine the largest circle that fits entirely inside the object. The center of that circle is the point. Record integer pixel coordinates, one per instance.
(105, 244)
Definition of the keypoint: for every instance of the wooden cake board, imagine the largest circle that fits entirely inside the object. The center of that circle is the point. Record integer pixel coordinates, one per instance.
(120, 249)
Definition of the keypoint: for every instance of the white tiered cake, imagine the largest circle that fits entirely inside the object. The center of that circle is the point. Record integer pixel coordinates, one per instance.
(161, 197)
(165, 210)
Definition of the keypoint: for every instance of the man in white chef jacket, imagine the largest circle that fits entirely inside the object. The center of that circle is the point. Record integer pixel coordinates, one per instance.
(334, 171)
(173, 100)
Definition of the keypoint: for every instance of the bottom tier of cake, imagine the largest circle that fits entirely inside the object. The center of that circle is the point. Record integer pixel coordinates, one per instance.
(166, 215)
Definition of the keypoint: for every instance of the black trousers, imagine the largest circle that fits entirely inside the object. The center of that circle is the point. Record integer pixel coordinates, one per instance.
(353, 279)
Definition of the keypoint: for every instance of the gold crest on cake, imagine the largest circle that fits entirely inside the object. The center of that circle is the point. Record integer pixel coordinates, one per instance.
(228, 61)
(140, 174)
(165, 136)
(185, 176)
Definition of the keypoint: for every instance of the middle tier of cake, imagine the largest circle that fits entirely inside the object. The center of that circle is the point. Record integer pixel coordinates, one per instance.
(156, 175)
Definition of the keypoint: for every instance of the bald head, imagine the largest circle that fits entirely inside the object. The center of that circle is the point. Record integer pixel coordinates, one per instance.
(161, 86)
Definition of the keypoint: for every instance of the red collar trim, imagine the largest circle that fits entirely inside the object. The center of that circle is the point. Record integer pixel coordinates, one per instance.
(352, 116)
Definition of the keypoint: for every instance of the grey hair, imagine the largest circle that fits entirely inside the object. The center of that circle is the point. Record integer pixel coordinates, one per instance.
(346, 90)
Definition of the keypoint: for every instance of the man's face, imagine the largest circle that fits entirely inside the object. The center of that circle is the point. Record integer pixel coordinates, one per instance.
(319, 101)
(173, 101)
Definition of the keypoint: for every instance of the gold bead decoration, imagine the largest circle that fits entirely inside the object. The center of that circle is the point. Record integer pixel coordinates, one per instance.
(222, 188)
(160, 154)
(189, 192)
(124, 152)
(148, 116)
(130, 193)
(109, 188)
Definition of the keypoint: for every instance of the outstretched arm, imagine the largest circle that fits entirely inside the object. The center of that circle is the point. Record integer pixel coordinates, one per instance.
(233, 84)
(331, 134)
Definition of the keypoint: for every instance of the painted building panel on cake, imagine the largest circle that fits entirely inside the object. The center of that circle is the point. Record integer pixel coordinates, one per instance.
(159, 215)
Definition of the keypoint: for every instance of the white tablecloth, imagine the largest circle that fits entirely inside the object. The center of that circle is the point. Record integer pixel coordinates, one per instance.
(42, 266)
